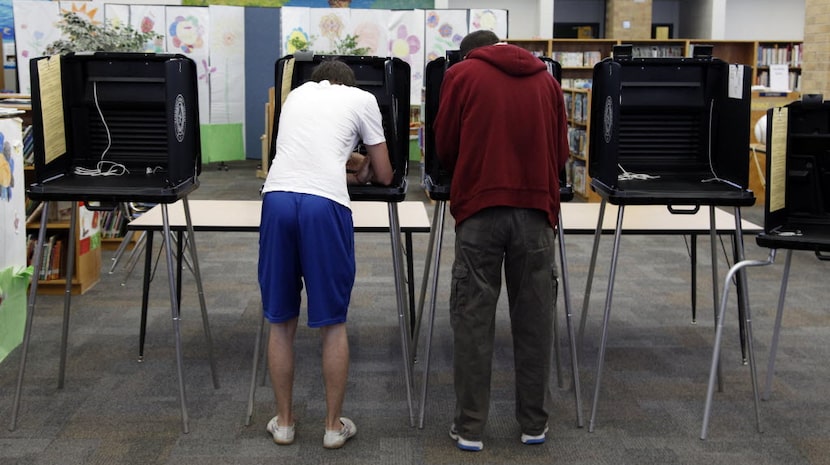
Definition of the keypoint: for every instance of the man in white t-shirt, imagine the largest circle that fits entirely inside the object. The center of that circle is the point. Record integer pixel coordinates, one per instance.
(307, 234)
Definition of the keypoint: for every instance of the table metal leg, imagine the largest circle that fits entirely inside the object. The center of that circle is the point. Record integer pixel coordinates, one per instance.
(30, 311)
(693, 255)
(145, 293)
(403, 320)
(410, 284)
(777, 328)
(433, 256)
(67, 293)
(194, 258)
(607, 316)
(427, 264)
(254, 370)
(175, 312)
(566, 291)
(713, 239)
(587, 298)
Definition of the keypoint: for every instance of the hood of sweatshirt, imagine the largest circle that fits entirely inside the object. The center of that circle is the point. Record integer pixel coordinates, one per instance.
(509, 58)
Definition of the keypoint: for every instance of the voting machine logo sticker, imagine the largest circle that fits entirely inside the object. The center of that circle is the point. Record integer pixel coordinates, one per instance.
(179, 118)
(608, 119)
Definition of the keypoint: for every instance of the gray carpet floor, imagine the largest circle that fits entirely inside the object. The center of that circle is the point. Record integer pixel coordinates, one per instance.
(115, 410)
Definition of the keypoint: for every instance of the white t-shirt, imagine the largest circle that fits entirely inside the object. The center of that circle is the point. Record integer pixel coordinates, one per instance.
(320, 125)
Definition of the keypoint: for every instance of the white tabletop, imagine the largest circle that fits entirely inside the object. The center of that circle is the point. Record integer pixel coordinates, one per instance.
(244, 215)
(581, 218)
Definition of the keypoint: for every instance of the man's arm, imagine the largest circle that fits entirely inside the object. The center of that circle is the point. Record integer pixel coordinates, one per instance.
(381, 168)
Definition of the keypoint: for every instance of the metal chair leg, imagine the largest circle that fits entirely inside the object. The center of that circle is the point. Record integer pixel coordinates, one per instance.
(718, 335)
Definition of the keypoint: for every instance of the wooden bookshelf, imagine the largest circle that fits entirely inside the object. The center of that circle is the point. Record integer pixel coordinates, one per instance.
(87, 259)
(578, 108)
(87, 255)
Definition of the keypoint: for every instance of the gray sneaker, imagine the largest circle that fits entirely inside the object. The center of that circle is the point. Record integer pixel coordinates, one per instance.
(336, 438)
(283, 435)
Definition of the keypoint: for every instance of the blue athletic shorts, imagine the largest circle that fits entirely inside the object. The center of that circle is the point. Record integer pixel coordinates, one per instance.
(305, 238)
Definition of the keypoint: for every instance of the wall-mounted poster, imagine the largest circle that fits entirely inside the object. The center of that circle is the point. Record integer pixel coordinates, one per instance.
(34, 25)
(443, 30)
(489, 19)
(188, 33)
(150, 18)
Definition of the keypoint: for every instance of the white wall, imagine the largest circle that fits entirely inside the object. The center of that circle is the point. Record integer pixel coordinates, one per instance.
(523, 19)
(764, 20)
(697, 19)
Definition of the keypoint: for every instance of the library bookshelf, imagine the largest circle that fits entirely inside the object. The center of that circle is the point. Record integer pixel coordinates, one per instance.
(51, 273)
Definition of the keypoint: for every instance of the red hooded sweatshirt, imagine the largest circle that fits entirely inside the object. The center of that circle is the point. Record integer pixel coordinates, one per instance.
(501, 129)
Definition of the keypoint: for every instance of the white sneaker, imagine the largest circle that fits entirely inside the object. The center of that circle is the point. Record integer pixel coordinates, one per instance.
(537, 439)
(336, 438)
(465, 444)
(283, 435)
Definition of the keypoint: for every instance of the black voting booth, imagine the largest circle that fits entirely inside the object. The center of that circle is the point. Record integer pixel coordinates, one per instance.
(679, 126)
(673, 132)
(109, 128)
(796, 211)
(139, 110)
(388, 79)
(437, 183)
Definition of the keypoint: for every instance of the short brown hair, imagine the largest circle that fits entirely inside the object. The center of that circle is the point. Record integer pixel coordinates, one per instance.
(334, 71)
(477, 39)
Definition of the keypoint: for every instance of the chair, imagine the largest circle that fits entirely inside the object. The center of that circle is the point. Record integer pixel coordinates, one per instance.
(437, 182)
(128, 132)
(796, 214)
(673, 132)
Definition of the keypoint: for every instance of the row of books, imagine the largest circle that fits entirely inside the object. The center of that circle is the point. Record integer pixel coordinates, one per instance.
(113, 223)
(794, 80)
(28, 146)
(576, 106)
(577, 142)
(58, 211)
(788, 55)
(576, 83)
(575, 172)
(577, 59)
(52, 259)
(658, 51)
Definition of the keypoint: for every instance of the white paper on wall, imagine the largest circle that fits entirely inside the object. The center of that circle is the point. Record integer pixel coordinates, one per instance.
(329, 26)
(443, 30)
(91, 11)
(147, 18)
(489, 19)
(188, 33)
(295, 22)
(227, 58)
(117, 14)
(12, 194)
(369, 26)
(406, 39)
(34, 29)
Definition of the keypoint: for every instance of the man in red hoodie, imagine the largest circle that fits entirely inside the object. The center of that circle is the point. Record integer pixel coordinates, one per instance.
(501, 129)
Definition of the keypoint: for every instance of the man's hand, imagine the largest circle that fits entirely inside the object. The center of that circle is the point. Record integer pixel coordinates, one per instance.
(358, 169)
